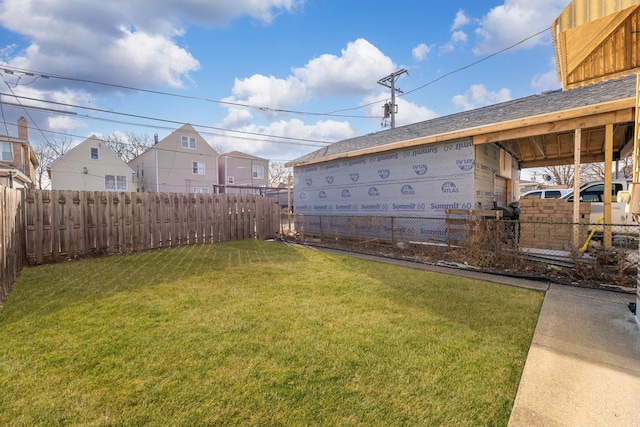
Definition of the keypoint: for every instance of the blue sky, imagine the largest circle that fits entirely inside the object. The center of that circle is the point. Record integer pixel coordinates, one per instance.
(290, 75)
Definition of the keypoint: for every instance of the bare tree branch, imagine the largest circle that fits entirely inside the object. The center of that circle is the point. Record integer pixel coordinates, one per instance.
(47, 151)
(278, 173)
(128, 145)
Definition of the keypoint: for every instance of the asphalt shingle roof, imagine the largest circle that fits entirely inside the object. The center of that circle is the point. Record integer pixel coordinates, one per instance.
(543, 103)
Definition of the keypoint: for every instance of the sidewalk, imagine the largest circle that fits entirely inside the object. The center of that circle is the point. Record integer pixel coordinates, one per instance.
(583, 366)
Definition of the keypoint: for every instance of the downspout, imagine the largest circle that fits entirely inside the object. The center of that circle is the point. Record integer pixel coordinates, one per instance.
(157, 172)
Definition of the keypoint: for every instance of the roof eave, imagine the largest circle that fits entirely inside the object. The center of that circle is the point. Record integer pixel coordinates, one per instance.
(573, 113)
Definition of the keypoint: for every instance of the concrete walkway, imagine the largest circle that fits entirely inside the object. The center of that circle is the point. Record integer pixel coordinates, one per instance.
(583, 366)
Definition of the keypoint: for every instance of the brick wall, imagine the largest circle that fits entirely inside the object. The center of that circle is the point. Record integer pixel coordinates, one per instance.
(548, 224)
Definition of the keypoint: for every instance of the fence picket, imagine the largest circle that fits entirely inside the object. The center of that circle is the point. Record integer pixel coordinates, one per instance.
(12, 237)
(60, 225)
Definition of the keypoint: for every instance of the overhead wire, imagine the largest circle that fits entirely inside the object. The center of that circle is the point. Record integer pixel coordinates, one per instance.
(334, 113)
(475, 63)
(189, 97)
(457, 70)
(262, 137)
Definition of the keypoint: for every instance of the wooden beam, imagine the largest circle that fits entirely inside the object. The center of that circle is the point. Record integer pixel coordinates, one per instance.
(583, 40)
(558, 126)
(577, 142)
(612, 76)
(621, 109)
(559, 161)
(536, 143)
(608, 161)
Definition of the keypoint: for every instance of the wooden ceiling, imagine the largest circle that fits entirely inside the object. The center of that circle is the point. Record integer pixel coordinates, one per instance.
(597, 40)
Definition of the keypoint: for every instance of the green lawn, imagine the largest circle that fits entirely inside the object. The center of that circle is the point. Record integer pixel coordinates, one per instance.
(258, 333)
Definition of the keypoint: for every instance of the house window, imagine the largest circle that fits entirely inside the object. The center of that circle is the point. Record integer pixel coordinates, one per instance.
(189, 142)
(198, 168)
(115, 182)
(7, 153)
(203, 190)
(231, 180)
(258, 171)
(95, 153)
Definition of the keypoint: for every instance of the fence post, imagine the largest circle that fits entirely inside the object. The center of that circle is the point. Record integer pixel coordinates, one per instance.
(393, 231)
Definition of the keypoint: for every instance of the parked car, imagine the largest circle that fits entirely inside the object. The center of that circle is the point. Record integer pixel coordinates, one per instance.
(593, 192)
(554, 193)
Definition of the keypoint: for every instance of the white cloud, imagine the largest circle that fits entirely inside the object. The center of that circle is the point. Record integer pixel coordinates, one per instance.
(546, 81)
(237, 117)
(324, 130)
(153, 57)
(460, 20)
(269, 91)
(354, 73)
(421, 51)
(131, 43)
(408, 112)
(446, 48)
(65, 123)
(516, 20)
(479, 96)
(120, 41)
(459, 37)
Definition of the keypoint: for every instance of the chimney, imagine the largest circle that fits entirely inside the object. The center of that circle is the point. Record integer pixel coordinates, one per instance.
(23, 129)
(155, 139)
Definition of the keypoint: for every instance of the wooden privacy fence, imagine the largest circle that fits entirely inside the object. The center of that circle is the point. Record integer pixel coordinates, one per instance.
(11, 238)
(68, 224)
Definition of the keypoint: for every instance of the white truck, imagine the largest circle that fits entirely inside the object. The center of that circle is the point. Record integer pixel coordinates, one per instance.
(593, 192)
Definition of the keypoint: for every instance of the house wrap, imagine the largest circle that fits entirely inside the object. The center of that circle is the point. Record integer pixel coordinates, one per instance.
(457, 161)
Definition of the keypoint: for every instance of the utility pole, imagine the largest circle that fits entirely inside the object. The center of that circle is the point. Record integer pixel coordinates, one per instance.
(390, 82)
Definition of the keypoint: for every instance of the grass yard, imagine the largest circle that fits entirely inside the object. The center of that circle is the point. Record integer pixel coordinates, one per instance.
(258, 333)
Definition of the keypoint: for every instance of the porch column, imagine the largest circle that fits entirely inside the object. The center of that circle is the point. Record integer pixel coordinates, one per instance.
(608, 161)
(577, 138)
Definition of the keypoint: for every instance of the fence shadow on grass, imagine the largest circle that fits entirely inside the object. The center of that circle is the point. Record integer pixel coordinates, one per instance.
(49, 226)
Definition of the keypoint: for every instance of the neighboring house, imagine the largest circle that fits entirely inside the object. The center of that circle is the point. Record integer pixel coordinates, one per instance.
(18, 161)
(181, 162)
(91, 166)
(526, 186)
(242, 173)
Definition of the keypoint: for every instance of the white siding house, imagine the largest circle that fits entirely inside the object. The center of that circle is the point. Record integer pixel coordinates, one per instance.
(181, 162)
(91, 166)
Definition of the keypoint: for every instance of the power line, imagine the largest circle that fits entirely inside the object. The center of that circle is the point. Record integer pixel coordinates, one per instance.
(335, 113)
(457, 70)
(288, 139)
(12, 70)
(476, 62)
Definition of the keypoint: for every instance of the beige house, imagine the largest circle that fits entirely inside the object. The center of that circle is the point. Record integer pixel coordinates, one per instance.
(183, 162)
(18, 161)
(242, 173)
(91, 166)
